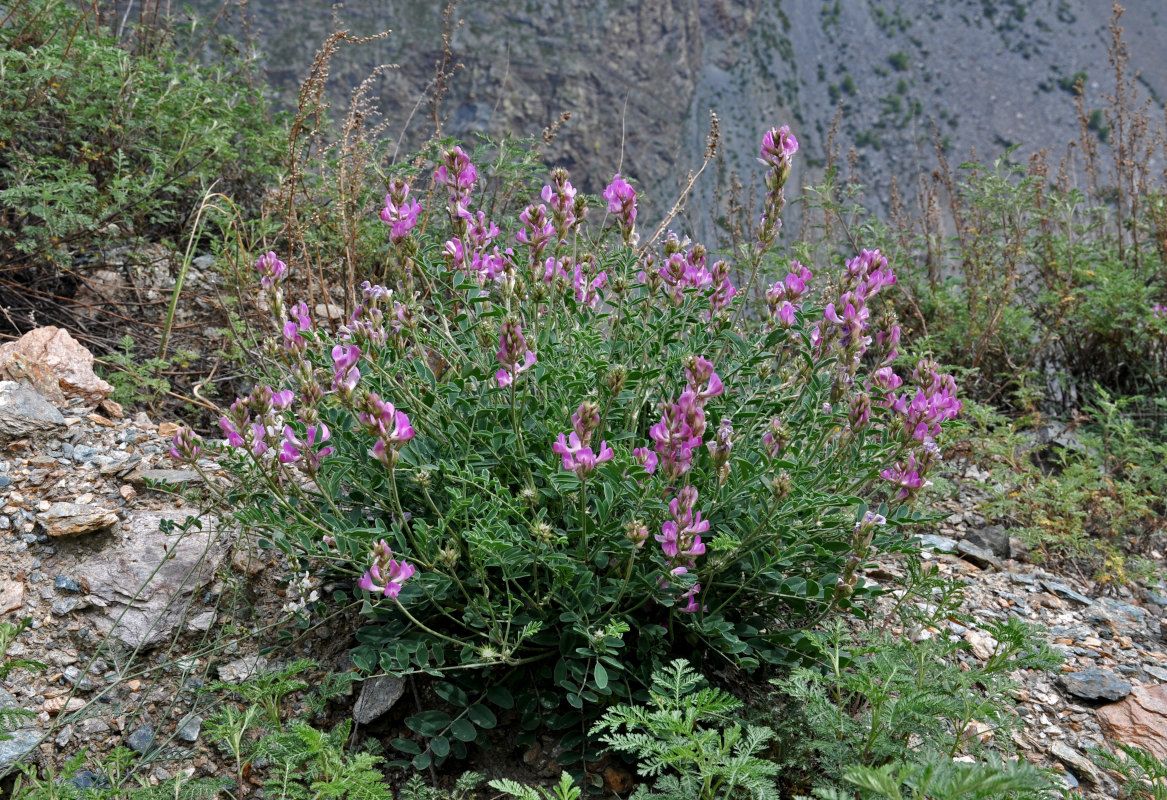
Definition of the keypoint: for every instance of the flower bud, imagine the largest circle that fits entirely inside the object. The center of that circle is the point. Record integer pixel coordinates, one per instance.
(615, 378)
(780, 486)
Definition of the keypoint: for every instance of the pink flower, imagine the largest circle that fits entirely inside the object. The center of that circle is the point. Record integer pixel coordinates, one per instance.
(293, 448)
(537, 230)
(400, 212)
(778, 148)
(271, 270)
(776, 438)
(185, 445)
(459, 175)
(701, 378)
(906, 477)
(513, 353)
(576, 457)
(386, 575)
(345, 372)
(390, 426)
(637, 533)
(621, 199)
(586, 288)
(455, 253)
(647, 458)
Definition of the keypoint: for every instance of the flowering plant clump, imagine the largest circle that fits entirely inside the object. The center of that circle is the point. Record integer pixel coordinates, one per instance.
(544, 458)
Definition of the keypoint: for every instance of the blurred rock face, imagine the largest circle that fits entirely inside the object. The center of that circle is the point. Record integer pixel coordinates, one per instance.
(641, 77)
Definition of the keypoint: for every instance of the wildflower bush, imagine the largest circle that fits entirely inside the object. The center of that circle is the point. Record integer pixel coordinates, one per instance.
(546, 459)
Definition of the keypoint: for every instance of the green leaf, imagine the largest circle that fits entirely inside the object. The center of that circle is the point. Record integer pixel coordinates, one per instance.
(500, 697)
(601, 676)
(440, 746)
(428, 723)
(452, 694)
(463, 730)
(422, 761)
(482, 716)
(406, 746)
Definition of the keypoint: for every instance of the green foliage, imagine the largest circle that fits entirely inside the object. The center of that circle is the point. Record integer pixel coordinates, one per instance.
(564, 790)
(880, 700)
(1035, 295)
(95, 134)
(1071, 83)
(8, 634)
(416, 789)
(937, 778)
(267, 690)
(13, 718)
(687, 731)
(899, 60)
(1145, 774)
(135, 379)
(1096, 498)
(117, 781)
(309, 764)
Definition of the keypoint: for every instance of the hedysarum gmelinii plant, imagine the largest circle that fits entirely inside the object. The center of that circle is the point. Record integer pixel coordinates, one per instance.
(544, 460)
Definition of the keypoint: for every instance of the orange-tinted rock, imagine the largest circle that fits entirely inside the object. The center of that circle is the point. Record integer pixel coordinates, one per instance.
(617, 780)
(1140, 720)
(52, 351)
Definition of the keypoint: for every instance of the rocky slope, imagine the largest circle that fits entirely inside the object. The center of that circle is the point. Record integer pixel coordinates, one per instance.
(133, 620)
(640, 78)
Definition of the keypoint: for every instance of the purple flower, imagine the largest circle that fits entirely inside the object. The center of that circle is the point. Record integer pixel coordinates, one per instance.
(637, 533)
(386, 575)
(271, 270)
(481, 232)
(459, 176)
(586, 287)
(344, 366)
(234, 438)
(886, 379)
(185, 445)
(621, 199)
(560, 196)
(701, 378)
(513, 353)
(455, 253)
(258, 439)
(390, 426)
(577, 458)
(400, 212)
(289, 447)
(725, 290)
(647, 458)
(777, 152)
(1159, 310)
(293, 448)
(859, 411)
(585, 420)
(776, 438)
(680, 537)
(283, 399)
(553, 269)
(906, 477)
(677, 434)
(778, 148)
(537, 230)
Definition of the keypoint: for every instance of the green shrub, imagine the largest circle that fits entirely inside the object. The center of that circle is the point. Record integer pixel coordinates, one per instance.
(94, 135)
(506, 432)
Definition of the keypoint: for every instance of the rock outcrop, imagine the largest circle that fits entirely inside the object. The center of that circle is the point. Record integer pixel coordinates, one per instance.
(49, 353)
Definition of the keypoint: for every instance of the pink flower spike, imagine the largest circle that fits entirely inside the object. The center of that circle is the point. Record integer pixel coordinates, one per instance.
(647, 458)
(271, 269)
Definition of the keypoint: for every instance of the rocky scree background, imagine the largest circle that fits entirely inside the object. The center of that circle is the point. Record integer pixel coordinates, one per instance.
(641, 77)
